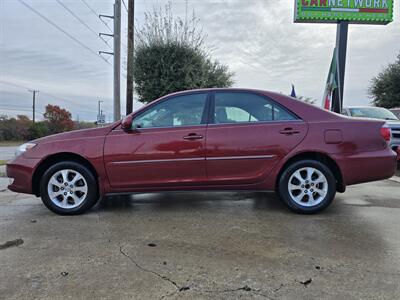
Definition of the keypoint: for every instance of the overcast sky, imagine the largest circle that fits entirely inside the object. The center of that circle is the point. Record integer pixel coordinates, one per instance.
(257, 39)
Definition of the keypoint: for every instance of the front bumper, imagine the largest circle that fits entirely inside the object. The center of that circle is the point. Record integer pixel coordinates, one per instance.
(21, 170)
(395, 145)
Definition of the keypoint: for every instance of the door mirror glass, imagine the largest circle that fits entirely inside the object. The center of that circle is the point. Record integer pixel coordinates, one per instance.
(126, 123)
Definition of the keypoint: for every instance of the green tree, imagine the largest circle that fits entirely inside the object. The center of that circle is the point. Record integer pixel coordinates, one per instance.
(38, 130)
(15, 129)
(170, 56)
(385, 88)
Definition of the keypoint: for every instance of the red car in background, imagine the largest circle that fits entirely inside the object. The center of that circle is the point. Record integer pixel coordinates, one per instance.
(212, 139)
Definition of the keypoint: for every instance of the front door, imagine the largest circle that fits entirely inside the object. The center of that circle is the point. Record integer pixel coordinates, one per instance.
(166, 148)
(249, 134)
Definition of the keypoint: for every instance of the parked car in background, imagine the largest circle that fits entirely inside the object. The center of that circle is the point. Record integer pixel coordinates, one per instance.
(379, 113)
(211, 139)
(396, 111)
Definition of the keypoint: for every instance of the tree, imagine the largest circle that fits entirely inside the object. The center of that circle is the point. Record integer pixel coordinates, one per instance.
(385, 88)
(58, 119)
(14, 128)
(170, 56)
(38, 130)
(22, 125)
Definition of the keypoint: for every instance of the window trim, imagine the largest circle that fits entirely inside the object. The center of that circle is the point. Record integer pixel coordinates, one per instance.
(204, 116)
(211, 114)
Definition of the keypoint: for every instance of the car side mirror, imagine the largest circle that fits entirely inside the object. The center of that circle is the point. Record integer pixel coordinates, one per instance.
(126, 123)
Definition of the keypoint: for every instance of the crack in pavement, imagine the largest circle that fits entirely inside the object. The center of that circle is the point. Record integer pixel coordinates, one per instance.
(245, 288)
(178, 288)
(165, 278)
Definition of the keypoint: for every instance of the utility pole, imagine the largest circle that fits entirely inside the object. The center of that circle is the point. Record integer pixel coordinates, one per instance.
(33, 103)
(129, 73)
(117, 60)
(117, 56)
(99, 104)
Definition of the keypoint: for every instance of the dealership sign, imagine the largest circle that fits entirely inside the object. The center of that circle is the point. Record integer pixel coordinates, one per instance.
(354, 11)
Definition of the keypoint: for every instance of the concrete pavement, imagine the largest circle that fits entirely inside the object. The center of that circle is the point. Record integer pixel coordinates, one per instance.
(203, 246)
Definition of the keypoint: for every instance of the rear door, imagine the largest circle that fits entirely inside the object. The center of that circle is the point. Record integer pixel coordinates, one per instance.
(247, 135)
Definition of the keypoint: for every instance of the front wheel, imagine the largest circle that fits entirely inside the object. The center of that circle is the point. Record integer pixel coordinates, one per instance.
(307, 186)
(68, 188)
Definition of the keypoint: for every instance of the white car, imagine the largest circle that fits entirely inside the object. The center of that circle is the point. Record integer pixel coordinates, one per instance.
(378, 113)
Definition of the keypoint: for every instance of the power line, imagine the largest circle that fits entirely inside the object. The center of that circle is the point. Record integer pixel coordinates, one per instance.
(43, 93)
(14, 84)
(126, 8)
(62, 30)
(82, 22)
(96, 14)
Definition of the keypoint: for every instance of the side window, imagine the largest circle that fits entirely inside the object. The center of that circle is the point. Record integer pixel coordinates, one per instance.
(183, 110)
(247, 107)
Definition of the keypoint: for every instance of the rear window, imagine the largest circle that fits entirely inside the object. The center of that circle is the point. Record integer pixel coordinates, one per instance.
(247, 107)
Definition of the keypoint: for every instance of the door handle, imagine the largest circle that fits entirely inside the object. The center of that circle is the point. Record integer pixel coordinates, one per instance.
(289, 131)
(192, 137)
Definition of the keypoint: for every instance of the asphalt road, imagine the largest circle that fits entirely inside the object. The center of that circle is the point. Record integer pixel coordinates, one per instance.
(203, 246)
(7, 153)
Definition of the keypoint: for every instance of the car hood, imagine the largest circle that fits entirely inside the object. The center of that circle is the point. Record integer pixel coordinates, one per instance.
(76, 134)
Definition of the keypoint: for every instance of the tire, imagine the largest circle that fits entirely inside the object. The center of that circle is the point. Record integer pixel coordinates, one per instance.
(304, 194)
(64, 193)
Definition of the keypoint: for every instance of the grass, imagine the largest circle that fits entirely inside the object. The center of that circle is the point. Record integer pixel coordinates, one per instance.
(10, 143)
(3, 162)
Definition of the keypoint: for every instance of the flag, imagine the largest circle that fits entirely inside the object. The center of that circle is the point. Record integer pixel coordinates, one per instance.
(332, 91)
(293, 93)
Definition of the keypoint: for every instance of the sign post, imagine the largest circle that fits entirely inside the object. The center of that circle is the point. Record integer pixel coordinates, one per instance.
(101, 119)
(343, 13)
(341, 47)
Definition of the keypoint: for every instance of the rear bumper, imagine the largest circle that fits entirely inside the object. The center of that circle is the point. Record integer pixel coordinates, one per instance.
(367, 166)
(21, 171)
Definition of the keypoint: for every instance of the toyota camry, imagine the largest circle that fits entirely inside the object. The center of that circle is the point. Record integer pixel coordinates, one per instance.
(210, 139)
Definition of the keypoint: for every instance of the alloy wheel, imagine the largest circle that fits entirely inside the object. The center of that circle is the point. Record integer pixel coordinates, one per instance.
(308, 186)
(67, 188)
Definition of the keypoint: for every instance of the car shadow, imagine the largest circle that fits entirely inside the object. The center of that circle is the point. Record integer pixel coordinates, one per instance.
(192, 200)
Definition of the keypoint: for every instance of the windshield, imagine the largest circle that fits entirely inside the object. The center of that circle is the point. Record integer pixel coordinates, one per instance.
(373, 112)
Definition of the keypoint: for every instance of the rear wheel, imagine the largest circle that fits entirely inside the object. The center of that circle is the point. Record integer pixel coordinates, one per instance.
(307, 186)
(68, 188)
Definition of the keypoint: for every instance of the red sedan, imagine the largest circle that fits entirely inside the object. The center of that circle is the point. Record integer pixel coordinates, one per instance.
(213, 139)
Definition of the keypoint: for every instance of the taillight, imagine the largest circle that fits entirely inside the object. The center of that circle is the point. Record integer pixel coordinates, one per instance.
(385, 133)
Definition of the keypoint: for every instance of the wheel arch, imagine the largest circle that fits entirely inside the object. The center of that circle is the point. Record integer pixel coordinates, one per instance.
(321, 157)
(57, 157)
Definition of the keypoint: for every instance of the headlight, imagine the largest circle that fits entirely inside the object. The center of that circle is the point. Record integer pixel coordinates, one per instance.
(23, 148)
